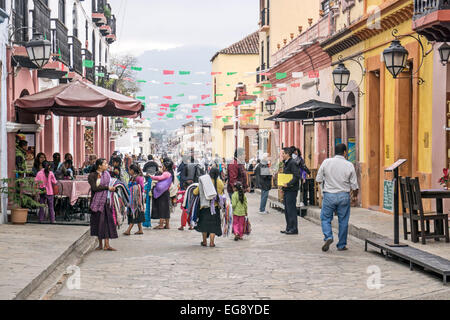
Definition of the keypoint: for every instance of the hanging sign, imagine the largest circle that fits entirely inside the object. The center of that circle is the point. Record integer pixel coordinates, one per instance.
(388, 195)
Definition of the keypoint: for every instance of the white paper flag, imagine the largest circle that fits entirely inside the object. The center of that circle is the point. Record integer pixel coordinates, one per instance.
(192, 97)
(297, 74)
(282, 85)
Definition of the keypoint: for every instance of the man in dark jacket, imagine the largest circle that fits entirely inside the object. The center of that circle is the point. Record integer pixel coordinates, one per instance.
(236, 172)
(290, 191)
(191, 173)
(264, 182)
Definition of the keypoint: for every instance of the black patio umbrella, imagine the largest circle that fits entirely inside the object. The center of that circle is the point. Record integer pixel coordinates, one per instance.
(313, 109)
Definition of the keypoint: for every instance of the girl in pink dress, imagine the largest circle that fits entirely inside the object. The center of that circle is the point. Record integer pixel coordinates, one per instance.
(47, 179)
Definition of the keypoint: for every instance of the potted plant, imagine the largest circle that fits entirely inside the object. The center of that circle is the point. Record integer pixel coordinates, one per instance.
(21, 192)
(445, 180)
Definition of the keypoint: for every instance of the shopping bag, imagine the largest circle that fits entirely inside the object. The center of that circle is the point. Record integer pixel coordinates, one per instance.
(247, 227)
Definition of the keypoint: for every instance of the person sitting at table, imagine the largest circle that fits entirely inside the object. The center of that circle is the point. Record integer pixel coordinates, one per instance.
(66, 171)
(88, 165)
(56, 164)
(38, 164)
(68, 157)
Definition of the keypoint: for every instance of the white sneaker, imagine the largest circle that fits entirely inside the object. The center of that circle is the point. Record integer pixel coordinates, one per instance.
(263, 212)
(302, 204)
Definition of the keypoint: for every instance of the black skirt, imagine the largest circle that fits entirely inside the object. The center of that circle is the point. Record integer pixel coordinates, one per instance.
(140, 217)
(102, 224)
(209, 223)
(161, 206)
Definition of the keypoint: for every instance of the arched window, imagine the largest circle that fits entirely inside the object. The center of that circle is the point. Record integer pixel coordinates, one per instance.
(75, 20)
(62, 10)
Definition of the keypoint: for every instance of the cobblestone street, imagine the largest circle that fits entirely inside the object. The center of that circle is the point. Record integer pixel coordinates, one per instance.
(171, 264)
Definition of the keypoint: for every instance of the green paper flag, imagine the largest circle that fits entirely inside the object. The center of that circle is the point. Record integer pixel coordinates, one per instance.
(267, 85)
(281, 76)
(248, 101)
(228, 85)
(100, 74)
(174, 105)
(218, 95)
(136, 68)
(88, 63)
(184, 73)
(252, 118)
(142, 81)
(225, 119)
(170, 115)
(231, 73)
(257, 92)
(183, 83)
(180, 95)
(140, 98)
(199, 117)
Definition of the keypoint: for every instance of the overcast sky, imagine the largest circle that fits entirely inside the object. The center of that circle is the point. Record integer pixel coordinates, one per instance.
(162, 24)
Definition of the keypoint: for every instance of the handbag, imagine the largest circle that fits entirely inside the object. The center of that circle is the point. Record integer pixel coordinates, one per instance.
(55, 189)
(247, 227)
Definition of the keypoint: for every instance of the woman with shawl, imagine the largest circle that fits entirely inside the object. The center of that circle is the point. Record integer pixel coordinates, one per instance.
(102, 220)
(209, 221)
(161, 195)
(136, 209)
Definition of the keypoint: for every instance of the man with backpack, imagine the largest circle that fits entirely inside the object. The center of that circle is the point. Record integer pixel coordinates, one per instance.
(191, 173)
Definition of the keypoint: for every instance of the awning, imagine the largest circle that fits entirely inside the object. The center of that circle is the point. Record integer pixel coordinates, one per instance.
(313, 109)
(80, 99)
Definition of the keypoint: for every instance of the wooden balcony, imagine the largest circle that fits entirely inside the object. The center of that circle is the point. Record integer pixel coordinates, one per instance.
(76, 57)
(432, 19)
(60, 41)
(41, 19)
(105, 30)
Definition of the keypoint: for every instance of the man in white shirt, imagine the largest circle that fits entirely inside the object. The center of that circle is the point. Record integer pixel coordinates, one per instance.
(338, 179)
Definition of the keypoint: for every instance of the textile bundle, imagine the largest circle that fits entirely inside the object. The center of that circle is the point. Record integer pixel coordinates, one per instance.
(227, 219)
(136, 199)
(119, 201)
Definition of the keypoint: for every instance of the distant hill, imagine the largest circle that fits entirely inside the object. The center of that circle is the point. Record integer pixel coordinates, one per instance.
(187, 58)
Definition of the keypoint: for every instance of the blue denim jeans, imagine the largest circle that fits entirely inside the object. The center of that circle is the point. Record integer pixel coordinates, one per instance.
(340, 203)
(264, 197)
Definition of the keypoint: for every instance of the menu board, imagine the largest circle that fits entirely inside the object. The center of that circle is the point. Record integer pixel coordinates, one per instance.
(388, 195)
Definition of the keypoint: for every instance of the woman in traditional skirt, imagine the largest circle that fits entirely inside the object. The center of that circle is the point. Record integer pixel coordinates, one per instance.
(136, 211)
(209, 224)
(102, 220)
(161, 202)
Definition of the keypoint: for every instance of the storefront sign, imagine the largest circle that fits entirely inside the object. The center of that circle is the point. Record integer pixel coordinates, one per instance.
(388, 196)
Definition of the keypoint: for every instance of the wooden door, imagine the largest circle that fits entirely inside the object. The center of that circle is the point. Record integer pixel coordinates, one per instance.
(247, 149)
(309, 146)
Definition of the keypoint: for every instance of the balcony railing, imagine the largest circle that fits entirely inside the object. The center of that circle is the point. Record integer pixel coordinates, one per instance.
(20, 21)
(101, 81)
(41, 19)
(265, 17)
(319, 31)
(75, 55)
(424, 7)
(100, 6)
(90, 72)
(60, 41)
(111, 21)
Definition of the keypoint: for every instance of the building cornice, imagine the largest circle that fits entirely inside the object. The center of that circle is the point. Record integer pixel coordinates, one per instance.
(14, 127)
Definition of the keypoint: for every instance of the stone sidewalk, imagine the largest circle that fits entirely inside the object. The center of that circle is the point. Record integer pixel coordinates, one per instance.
(30, 253)
(366, 223)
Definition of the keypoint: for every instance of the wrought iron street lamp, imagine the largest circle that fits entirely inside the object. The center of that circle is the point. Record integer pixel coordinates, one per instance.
(444, 53)
(38, 50)
(396, 58)
(119, 124)
(270, 106)
(341, 77)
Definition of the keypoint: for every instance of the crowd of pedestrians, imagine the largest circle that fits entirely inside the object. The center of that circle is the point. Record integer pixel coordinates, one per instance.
(121, 188)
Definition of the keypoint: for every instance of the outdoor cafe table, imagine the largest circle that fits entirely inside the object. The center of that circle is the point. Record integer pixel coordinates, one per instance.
(439, 195)
(74, 189)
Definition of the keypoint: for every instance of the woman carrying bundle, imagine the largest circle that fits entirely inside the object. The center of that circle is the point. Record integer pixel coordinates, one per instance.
(209, 222)
(161, 195)
(136, 211)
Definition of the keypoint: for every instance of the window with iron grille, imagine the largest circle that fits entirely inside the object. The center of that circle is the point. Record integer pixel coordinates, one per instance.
(62, 11)
(20, 20)
(3, 4)
(326, 6)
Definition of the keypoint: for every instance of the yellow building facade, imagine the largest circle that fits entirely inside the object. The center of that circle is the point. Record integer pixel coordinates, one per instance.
(232, 70)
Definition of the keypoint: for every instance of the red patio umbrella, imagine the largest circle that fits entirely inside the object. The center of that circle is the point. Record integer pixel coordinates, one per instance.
(80, 99)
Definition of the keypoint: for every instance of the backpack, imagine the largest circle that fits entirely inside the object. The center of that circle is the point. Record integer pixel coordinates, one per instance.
(265, 170)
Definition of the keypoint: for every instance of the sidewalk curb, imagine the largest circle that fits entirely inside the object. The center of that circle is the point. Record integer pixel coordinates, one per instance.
(313, 215)
(79, 247)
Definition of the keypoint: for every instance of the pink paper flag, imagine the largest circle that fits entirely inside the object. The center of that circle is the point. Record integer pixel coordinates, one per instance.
(188, 117)
(214, 73)
(168, 82)
(295, 85)
(282, 89)
(194, 110)
(165, 105)
(161, 114)
(195, 106)
(205, 96)
(237, 103)
(167, 72)
(167, 97)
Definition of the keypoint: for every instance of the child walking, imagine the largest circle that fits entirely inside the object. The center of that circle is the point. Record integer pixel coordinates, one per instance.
(239, 203)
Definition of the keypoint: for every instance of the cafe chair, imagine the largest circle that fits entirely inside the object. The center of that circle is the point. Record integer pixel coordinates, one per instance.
(419, 216)
(61, 201)
(406, 211)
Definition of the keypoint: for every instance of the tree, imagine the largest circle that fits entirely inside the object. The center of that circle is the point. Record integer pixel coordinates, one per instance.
(126, 78)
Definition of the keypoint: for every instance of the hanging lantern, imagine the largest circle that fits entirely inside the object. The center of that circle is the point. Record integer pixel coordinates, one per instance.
(270, 106)
(38, 50)
(444, 52)
(395, 58)
(341, 76)
(119, 124)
